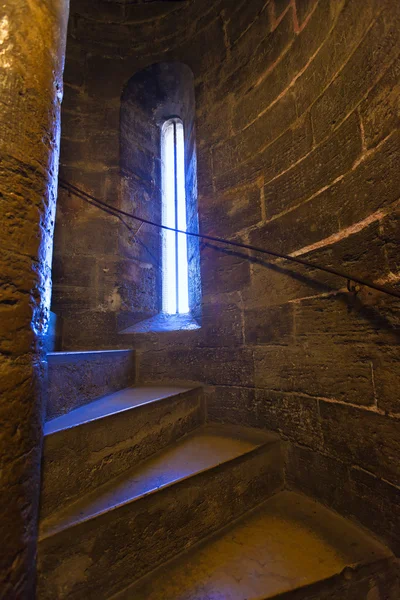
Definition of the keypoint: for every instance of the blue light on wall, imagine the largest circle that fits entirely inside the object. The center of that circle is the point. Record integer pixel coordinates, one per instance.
(175, 285)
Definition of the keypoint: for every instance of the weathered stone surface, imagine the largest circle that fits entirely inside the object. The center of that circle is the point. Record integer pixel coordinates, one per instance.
(79, 459)
(269, 126)
(386, 364)
(245, 17)
(286, 150)
(152, 529)
(360, 73)
(295, 417)
(326, 162)
(278, 282)
(301, 107)
(348, 28)
(304, 8)
(223, 271)
(364, 438)
(322, 370)
(211, 366)
(391, 230)
(320, 557)
(32, 42)
(74, 379)
(301, 227)
(375, 503)
(343, 319)
(222, 214)
(276, 82)
(351, 491)
(231, 404)
(90, 330)
(319, 476)
(380, 111)
(254, 53)
(273, 325)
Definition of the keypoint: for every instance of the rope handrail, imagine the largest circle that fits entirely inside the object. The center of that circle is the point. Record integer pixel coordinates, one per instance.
(116, 211)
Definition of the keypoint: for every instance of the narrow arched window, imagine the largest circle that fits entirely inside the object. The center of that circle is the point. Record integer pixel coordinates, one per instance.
(175, 281)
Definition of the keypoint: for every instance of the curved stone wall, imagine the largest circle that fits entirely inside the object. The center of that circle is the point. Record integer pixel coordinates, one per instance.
(32, 45)
(297, 136)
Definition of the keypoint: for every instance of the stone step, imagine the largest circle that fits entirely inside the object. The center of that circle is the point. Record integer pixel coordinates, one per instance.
(88, 446)
(290, 547)
(155, 511)
(76, 378)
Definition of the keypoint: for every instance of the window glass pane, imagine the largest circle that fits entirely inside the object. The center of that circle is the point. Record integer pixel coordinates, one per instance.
(169, 304)
(175, 290)
(183, 291)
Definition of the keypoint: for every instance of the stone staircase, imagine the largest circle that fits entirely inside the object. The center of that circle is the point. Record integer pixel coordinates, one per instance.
(142, 499)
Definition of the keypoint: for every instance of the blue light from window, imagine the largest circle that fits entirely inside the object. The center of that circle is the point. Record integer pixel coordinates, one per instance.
(175, 289)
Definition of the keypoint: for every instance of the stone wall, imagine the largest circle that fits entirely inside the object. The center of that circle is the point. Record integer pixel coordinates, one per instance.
(105, 277)
(298, 151)
(32, 44)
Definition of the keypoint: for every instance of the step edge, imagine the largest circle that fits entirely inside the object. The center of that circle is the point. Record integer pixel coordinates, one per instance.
(116, 412)
(259, 449)
(386, 560)
(352, 568)
(56, 358)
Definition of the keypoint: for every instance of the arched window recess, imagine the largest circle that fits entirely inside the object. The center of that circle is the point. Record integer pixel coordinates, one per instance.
(158, 166)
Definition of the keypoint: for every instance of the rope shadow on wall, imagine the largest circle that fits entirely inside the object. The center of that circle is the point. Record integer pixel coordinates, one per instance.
(352, 280)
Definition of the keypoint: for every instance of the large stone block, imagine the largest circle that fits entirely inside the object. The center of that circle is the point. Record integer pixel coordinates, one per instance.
(269, 325)
(221, 325)
(299, 228)
(268, 163)
(223, 271)
(90, 330)
(211, 37)
(363, 69)
(225, 214)
(371, 186)
(380, 111)
(294, 417)
(75, 379)
(343, 319)
(320, 370)
(319, 476)
(277, 81)
(231, 404)
(351, 491)
(386, 365)
(348, 26)
(303, 9)
(375, 503)
(211, 366)
(243, 19)
(360, 253)
(270, 125)
(363, 437)
(317, 170)
(391, 234)
(254, 54)
(277, 282)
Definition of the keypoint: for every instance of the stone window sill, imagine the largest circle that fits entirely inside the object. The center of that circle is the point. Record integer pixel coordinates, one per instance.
(164, 322)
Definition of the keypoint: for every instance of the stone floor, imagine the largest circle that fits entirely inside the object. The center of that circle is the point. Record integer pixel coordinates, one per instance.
(287, 543)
